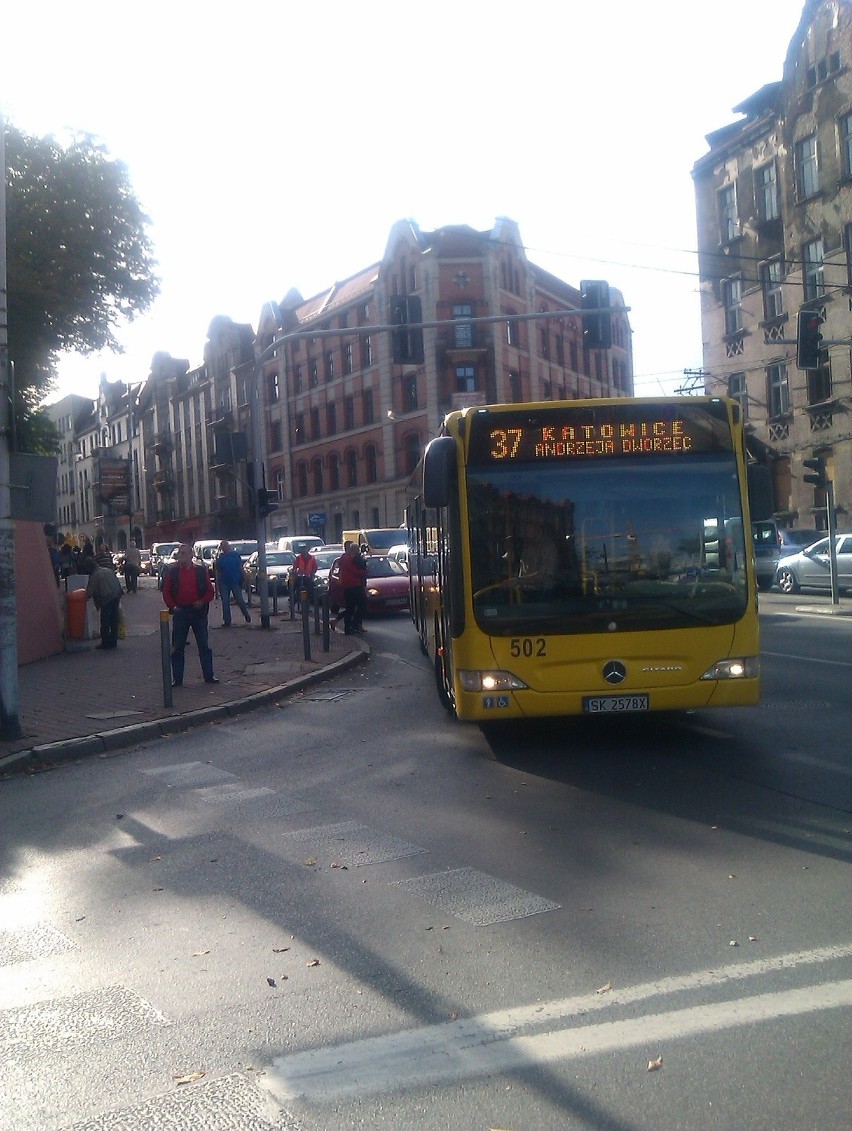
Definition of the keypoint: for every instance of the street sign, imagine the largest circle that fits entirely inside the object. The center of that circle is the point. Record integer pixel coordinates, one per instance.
(316, 518)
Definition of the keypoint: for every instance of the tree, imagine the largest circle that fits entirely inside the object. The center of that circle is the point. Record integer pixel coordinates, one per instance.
(79, 261)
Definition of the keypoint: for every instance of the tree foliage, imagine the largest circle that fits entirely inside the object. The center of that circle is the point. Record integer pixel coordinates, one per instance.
(79, 259)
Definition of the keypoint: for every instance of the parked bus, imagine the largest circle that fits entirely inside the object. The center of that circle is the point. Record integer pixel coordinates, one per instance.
(586, 557)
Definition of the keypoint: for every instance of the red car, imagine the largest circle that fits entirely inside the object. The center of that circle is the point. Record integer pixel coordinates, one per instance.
(387, 586)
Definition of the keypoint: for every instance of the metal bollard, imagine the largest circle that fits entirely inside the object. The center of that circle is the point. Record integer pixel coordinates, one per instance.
(306, 622)
(166, 657)
(326, 629)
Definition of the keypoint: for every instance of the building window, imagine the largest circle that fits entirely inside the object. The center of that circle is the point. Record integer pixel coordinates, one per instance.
(410, 392)
(271, 388)
(302, 478)
(331, 419)
(351, 469)
(347, 358)
(543, 343)
(807, 172)
(515, 387)
(371, 463)
(412, 278)
(329, 366)
(813, 270)
(560, 350)
(771, 278)
(275, 436)
(738, 392)
(368, 406)
(333, 472)
(732, 292)
(728, 224)
(298, 379)
(349, 414)
(299, 427)
(463, 330)
(779, 390)
(280, 480)
(315, 423)
(314, 371)
(465, 379)
(845, 131)
(411, 448)
(513, 337)
(767, 192)
(316, 472)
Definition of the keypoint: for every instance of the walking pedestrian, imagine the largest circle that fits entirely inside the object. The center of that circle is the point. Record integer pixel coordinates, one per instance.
(105, 590)
(132, 568)
(353, 580)
(228, 567)
(188, 591)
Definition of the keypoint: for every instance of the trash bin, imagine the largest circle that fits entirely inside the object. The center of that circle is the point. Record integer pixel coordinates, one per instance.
(75, 614)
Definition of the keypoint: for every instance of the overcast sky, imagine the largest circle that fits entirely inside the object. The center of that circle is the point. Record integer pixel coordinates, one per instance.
(273, 145)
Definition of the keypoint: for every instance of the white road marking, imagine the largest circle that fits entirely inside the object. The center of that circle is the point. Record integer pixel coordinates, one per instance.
(493, 1042)
(808, 659)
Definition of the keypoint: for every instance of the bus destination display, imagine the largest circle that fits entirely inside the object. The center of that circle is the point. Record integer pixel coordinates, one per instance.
(559, 435)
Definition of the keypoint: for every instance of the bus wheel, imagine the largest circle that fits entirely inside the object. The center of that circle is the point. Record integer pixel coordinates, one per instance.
(439, 682)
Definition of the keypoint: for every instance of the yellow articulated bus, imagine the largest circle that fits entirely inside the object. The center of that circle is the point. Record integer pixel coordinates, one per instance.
(587, 557)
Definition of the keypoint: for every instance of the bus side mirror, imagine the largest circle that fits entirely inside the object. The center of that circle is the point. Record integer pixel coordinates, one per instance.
(759, 492)
(439, 468)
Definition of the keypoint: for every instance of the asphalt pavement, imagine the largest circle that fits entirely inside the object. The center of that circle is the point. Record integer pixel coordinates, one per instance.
(86, 701)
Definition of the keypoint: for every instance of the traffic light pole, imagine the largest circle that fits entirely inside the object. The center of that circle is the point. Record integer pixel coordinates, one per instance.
(832, 541)
(258, 480)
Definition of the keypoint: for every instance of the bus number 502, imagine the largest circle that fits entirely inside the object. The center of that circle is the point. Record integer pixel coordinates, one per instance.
(527, 646)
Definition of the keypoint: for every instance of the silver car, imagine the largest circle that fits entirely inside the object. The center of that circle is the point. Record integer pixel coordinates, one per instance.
(810, 568)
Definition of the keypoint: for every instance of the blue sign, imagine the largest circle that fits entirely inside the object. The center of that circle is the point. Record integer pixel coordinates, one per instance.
(317, 518)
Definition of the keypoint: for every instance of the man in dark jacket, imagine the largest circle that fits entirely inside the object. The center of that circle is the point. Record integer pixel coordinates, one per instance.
(353, 581)
(105, 590)
(188, 591)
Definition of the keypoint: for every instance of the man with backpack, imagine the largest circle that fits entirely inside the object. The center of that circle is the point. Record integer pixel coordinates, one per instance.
(188, 591)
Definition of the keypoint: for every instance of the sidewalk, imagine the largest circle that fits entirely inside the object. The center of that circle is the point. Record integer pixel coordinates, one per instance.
(87, 701)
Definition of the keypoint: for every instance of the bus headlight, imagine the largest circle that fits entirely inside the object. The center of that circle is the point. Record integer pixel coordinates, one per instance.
(490, 681)
(745, 667)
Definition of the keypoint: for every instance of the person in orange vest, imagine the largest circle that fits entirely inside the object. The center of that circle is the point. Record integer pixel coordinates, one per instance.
(304, 571)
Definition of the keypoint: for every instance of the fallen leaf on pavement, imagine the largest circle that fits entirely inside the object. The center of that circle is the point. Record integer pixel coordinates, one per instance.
(279, 949)
(270, 982)
(604, 989)
(190, 1077)
(309, 863)
(653, 1065)
(313, 962)
(198, 953)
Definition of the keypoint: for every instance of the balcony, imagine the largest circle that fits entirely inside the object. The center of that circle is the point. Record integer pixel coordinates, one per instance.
(162, 480)
(220, 418)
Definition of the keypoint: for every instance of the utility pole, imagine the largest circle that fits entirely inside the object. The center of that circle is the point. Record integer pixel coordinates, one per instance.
(10, 726)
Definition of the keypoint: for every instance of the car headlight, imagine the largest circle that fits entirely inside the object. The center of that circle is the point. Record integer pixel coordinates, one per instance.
(744, 667)
(490, 681)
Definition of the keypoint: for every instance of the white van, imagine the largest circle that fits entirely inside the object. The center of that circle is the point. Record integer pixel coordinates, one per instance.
(204, 551)
(299, 542)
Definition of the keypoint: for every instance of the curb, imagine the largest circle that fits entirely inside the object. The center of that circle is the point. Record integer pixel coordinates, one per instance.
(50, 754)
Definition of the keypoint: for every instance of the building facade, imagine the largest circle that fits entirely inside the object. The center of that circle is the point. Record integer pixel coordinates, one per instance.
(339, 427)
(774, 209)
(345, 426)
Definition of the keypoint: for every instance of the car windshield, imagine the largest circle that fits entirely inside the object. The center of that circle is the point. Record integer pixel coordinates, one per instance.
(611, 543)
(383, 539)
(244, 549)
(280, 558)
(384, 567)
(799, 537)
(325, 560)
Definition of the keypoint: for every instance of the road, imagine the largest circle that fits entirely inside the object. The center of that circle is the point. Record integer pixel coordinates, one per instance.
(353, 912)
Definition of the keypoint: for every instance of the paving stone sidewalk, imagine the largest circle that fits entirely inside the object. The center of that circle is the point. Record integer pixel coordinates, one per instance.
(85, 700)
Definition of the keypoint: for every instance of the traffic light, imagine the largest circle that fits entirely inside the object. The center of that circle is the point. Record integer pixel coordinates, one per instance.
(597, 327)
(808, 339)
(817, 476)
(407, 335)
(267, 501)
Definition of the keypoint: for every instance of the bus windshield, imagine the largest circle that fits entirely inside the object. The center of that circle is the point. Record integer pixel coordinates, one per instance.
(607, 545)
